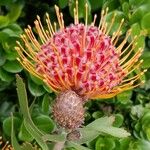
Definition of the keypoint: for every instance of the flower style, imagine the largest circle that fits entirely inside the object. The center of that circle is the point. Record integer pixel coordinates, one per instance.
(81, 57)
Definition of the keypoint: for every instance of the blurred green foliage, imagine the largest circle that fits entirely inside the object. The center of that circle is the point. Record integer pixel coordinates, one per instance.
(131, 109)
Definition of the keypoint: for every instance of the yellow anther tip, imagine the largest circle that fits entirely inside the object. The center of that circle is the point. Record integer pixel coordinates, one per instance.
(38, 17)
(16, 47)
(21, 36)
(36, 22)
(103, 12)
(44, 80)
(141, 60)
(122, 20)
(86, 5)
(119, 89)
(95, 16)
(29, 26)
(135, 44)
(18, 59)
(130, 30)
(115, 14)
(56, 7)
(25, 30)
(131, 82)
(135, 36)
(44, 75)
(18, 42)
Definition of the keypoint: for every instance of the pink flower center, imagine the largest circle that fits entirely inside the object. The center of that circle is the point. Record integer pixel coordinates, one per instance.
(83, 57)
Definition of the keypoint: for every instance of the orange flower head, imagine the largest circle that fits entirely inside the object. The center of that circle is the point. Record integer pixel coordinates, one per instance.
(81, 57)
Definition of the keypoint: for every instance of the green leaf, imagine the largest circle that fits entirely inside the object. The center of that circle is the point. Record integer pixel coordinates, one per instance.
(4, 2)
(118, 120)
(144, 145)
(63, 3)
(124, 143)
(105, 143)
(14, 141)
(147, 132)
(10, 35)
(46, 104)
(4, 85)
(47, 88)
(15, 11)
(87, 135)
(103, 121)
(9, 32)
(3, 37)
(96, 5)
(116, 132)
(88, 116)
(11, 55)
(44, 123)
(124, 97)
(33, 130)
(146, 118)
(105, 127)
(97, 114)
(16, 28)
(135, 2)
(22, 97)
(2, 57)
(36, 80)
(24, 135)
(126, 8)
(36, 90)
(146, 57)
(6, 76)
(136, 31)
(139, 13)
(111, 4)
(4, 21)
(9, 48)
(12, 66)
(145, 22)
(7, 124)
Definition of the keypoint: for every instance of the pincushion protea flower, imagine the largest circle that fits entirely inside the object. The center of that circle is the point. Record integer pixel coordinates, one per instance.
(80, 62)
